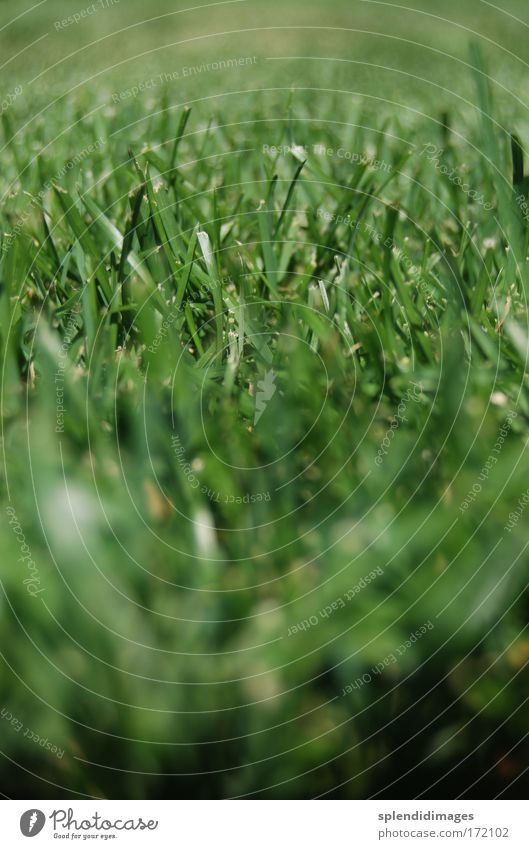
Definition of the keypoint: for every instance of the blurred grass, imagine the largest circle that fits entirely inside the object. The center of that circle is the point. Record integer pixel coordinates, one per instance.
(158, 655)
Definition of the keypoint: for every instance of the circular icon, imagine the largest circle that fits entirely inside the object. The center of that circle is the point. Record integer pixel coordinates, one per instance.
(32, 822)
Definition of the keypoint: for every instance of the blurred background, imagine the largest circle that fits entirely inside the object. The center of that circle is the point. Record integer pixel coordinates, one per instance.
(154, 653)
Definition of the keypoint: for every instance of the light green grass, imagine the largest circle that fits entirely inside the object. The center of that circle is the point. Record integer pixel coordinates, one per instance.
(182, 266)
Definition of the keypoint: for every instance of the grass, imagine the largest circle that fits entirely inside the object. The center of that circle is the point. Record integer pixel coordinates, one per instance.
(171, 265)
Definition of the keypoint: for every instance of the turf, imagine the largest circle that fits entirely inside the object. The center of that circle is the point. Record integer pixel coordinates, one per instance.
(264, 415)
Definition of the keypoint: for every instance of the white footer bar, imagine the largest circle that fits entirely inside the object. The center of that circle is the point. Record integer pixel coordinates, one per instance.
(264, 824)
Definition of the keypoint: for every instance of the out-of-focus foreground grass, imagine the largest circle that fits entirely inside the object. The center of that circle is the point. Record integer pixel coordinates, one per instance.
(264, 400)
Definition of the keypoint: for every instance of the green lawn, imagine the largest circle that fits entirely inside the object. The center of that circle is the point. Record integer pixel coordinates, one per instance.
(264, 339)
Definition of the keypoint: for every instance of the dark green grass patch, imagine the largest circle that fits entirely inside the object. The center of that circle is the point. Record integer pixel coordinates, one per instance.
(264, 405)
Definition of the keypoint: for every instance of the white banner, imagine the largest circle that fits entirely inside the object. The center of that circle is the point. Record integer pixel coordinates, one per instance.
(264, 824)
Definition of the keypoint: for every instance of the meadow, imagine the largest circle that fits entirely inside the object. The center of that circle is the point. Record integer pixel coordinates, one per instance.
(264, 400)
